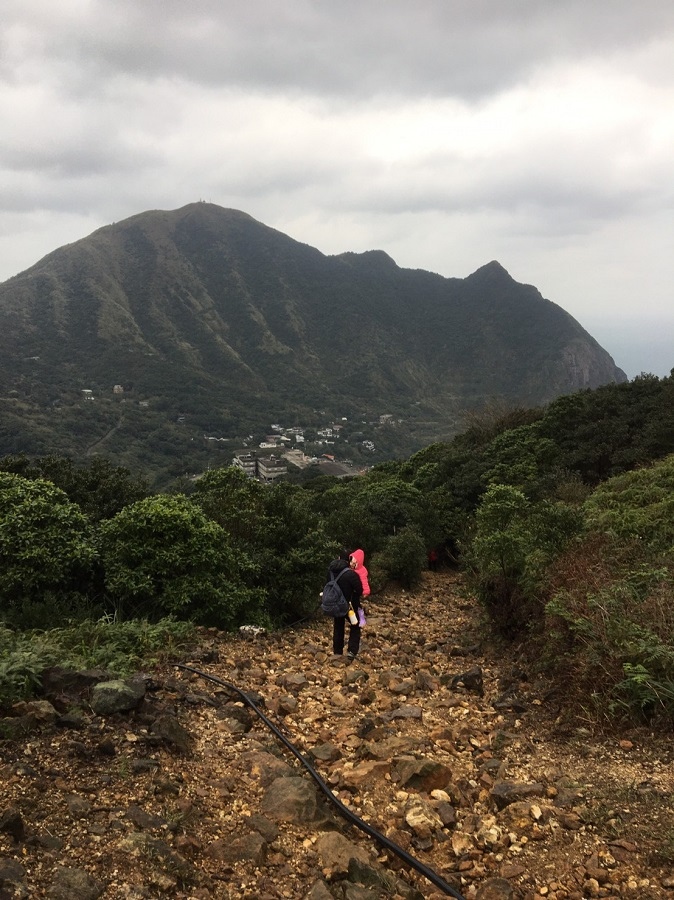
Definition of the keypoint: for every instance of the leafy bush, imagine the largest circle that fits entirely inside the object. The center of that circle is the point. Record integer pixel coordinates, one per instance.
(122, 647)
(295, 554)
(402, 559)
(22, 661)
(278, 527)
(235, 501)
(163, 556)
(98, 487)
(617, 646)
(46, 544)
(364, 512)
(515, 540)
(612, 597)
(637, 508)
(524, 459)
(59, 608)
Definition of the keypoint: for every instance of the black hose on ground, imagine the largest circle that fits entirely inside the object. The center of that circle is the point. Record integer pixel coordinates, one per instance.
(341, 808)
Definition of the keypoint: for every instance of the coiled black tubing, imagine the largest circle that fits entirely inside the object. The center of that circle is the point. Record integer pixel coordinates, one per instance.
(343, 810)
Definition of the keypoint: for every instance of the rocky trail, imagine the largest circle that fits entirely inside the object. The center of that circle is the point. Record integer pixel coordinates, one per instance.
(170, 786)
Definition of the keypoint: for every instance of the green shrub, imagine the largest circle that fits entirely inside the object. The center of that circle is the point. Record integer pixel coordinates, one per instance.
(163, 556)
(642, 693)
(277, 527)
(402, 559)
(612, 597)
(46, 543)
(59, 608)
(22, 661)
(637, 508)
(122, 647)
(609, 624)
(294, 555)
(515, 541)
(98, 487)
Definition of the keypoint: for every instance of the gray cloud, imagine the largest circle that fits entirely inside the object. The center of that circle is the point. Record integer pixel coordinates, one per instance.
(455, 47)
(445, 132)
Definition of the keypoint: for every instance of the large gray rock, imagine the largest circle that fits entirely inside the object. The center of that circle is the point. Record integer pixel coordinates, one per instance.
(61, 683)
(74, 884)
(506, 792)
(250, 848)
(295, 800)
(109, 697)
(12, 878)
(163, 857)
(335, 852)
(319, 891)
(265, 767)
(422, 774)
(169, 730)
(11, 823)
(495, 889)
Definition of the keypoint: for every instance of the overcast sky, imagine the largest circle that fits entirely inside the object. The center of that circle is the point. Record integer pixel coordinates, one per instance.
(448, 133)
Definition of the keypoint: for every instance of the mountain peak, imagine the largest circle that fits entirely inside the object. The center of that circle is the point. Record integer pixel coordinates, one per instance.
(369, 257)
(491, 270)
(205, 315)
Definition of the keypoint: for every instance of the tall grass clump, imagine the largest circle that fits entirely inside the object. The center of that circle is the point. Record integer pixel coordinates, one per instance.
(117, 647)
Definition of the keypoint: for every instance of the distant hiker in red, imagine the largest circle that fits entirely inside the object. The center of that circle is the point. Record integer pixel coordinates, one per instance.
(357, 563)
(433, 559)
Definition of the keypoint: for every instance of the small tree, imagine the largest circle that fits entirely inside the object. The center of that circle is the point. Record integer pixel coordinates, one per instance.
(402, 558)
(163, 556)
(514, 542)
(46, 547)
(294, 555)
(364, 512)
(233, 500)
(524, 459)
(611, 597)
(277, 527)
(98, 487)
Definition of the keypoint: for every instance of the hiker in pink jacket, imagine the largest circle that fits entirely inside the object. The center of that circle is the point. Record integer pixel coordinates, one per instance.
(356, 561)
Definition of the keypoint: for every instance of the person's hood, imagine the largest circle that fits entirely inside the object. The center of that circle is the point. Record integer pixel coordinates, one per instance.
(337, 565)
(359, 556)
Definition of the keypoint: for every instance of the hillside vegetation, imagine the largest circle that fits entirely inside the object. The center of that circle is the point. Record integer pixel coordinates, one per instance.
(561, 519)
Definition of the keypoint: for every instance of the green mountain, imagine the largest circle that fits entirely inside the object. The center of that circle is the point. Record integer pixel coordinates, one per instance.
(209, 320)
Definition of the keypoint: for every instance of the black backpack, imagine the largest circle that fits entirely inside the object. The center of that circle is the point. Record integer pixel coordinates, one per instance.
(333, 602)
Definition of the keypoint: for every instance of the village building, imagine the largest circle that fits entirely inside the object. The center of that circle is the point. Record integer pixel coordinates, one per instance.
(271, 467)
(265, 468)
(247, 463)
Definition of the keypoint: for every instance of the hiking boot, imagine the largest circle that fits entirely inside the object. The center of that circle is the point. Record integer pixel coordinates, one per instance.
(350, 655)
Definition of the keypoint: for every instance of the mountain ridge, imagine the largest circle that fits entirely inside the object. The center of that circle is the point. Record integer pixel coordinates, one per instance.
(205, 309)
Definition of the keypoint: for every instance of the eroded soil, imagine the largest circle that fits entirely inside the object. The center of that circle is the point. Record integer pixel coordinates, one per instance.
(500, 791)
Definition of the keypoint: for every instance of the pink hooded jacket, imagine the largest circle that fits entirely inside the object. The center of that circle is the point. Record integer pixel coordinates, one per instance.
(358, 556)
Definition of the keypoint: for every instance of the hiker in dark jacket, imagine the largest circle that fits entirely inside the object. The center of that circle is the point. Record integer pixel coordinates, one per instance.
(352, 589)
